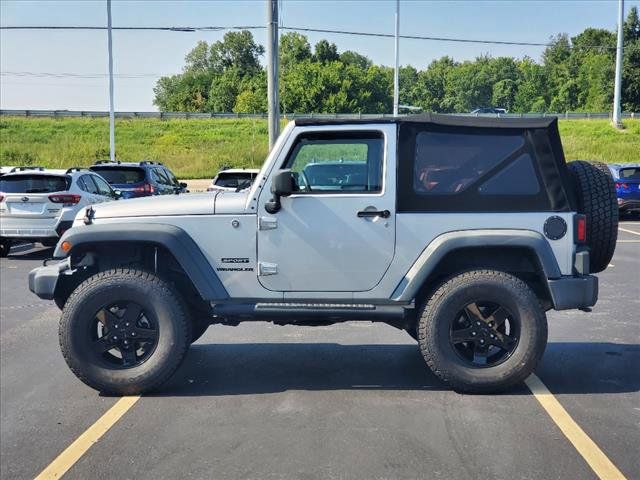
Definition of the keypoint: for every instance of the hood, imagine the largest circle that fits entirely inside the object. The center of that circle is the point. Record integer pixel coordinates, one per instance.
(231, 202)
(157, 206)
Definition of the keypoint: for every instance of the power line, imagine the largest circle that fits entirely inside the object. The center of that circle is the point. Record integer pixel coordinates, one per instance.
(303, 29)
(80, 75)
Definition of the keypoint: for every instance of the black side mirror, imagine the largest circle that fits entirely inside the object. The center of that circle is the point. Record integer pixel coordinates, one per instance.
(183, 185)
(282, 186)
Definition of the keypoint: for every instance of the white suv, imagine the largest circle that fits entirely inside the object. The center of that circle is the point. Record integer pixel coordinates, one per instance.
(39, 205)
(233, 179)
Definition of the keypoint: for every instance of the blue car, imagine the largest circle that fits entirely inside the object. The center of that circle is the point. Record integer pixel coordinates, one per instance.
(627, 178)
(139, 179)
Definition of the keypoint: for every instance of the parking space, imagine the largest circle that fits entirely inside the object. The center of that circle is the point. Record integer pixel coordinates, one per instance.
(353, 400)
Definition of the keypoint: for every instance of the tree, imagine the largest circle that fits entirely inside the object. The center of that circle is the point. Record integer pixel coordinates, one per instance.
(197, 60)
(352, 58)
(325, 52)
(631, 26)
(294, 48)
(236, 50)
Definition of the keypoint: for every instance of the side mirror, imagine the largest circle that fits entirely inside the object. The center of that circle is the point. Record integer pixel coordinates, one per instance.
(282, 185)
(183, 185)
(117, 194)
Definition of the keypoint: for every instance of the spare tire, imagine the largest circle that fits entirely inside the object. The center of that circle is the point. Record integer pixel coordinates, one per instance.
(596, 195)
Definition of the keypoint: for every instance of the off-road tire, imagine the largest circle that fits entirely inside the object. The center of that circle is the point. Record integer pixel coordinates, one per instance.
(453, 295)
(154, 295)
(597, 199)
(5, 247)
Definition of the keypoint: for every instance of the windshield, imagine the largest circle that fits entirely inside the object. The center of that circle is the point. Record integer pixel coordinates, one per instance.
(632, 173)
(120, 175)
(34, 183)
(234, 179)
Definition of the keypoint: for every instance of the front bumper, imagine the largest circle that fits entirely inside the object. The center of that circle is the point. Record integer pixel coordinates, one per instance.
(43, 280)
(570, 292)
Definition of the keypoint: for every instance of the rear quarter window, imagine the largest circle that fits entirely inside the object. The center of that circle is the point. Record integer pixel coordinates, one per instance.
(448, 163)
(34, 183)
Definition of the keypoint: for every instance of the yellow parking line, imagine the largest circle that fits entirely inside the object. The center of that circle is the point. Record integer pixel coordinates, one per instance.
(597, 460)
(628, 231)
(79, 447)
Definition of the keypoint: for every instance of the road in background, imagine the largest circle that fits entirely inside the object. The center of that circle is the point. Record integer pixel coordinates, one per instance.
(352, 400)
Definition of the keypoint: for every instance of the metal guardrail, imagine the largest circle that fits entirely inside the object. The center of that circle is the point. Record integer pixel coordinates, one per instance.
(193, 115)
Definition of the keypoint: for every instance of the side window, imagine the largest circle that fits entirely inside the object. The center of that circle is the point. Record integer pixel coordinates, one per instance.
(90, 186)
(103, 187)
(159, 176)
(172, 178)
(334, 162)
(517, 178)
(448, 163)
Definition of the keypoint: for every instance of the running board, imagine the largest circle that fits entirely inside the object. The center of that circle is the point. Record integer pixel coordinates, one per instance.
(295, 312)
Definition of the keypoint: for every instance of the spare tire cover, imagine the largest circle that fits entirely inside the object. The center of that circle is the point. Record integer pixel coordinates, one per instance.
(596, 195)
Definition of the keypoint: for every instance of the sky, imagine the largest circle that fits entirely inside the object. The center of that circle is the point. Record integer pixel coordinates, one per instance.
(149, 55)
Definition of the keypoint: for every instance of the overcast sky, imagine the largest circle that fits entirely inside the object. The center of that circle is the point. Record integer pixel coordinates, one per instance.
(152, 54)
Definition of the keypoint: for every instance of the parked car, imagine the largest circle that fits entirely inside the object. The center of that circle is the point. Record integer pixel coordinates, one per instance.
(139, 179)
(231, 179)
(489, 110)
(627, 178)
(467, 260)
(39, 205)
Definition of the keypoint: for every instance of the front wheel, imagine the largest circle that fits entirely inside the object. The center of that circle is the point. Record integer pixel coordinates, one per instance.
(482, 331)
(124, 331)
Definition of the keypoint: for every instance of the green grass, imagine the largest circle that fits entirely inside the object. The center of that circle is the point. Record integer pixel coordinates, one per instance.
(198, 148)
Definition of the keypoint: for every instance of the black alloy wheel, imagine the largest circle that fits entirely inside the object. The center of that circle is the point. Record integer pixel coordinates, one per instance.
(484, 334)
(123, 335)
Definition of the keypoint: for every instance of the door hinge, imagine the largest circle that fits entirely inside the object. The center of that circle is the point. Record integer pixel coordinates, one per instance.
(267, 223)
(265, 268)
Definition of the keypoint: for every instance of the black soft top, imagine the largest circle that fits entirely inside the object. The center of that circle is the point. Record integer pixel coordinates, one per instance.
(439, 119)
(540, 143)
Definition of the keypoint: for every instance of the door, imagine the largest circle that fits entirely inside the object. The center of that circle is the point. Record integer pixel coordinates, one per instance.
(337, 232)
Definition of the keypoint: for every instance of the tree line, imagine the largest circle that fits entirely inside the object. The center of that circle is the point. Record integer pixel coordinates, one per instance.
(574, 74)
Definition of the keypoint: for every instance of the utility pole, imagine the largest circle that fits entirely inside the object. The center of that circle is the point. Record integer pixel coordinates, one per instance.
(112, 133)
(617, 121)
(272, 71)
(396, 72)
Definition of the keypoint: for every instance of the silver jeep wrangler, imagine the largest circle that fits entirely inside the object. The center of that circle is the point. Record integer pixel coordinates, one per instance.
(463, 231)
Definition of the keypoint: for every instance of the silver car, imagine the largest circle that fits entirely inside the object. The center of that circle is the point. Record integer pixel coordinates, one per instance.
(39, 205)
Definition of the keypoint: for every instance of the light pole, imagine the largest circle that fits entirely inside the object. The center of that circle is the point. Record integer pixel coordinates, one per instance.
(617, 121)
(272, 71)
(112, 133)
(396, 72)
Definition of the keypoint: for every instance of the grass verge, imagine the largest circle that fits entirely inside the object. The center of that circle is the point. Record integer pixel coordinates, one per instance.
(199, 148)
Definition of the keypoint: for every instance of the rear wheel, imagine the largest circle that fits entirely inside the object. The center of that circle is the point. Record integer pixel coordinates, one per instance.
(124, 331)
(482, 331)
(5, 246)
(597, 199)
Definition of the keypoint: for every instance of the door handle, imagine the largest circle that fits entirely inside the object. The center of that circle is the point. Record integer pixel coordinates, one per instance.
(374, 213)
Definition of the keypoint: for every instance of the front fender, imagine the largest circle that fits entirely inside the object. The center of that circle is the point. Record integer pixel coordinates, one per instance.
(174, 239)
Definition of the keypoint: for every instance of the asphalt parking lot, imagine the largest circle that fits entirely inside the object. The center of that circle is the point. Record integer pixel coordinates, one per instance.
(348, 401)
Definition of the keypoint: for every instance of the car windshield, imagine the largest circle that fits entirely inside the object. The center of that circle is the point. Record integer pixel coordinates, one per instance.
(34, 183)
(120, 175)
(234, 179)
(632, 173)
